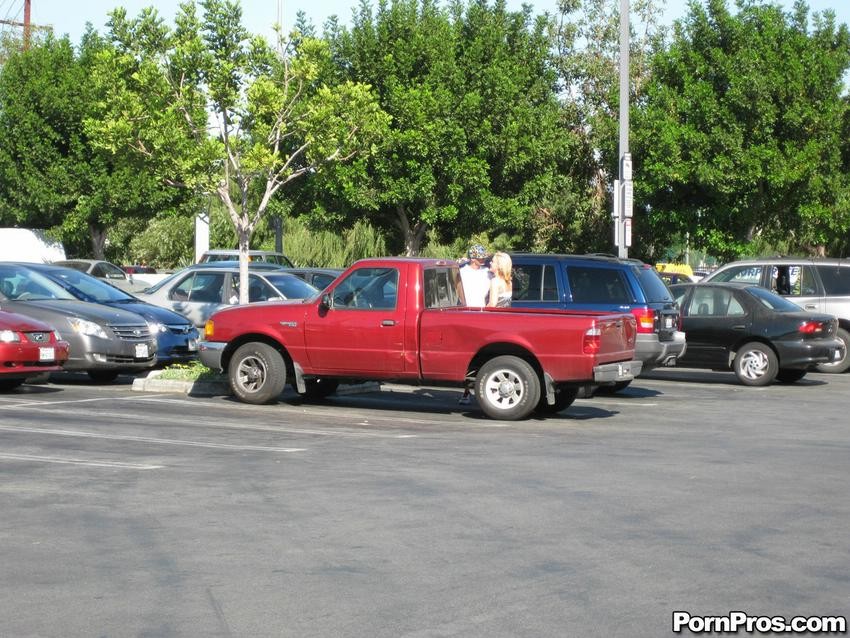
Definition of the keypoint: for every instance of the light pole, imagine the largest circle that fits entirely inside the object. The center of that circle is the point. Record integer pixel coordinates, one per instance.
(622, 213)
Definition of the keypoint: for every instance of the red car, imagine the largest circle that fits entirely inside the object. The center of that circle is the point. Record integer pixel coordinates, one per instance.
(27, 348)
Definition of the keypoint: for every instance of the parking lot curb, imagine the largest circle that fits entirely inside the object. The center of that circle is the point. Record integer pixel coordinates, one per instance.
(152, 383)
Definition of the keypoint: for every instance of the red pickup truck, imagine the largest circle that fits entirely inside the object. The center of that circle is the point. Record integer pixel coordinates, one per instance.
(405, 319)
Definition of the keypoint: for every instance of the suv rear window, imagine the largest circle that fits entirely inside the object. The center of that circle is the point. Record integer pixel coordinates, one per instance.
(835, 279)
(653, 287)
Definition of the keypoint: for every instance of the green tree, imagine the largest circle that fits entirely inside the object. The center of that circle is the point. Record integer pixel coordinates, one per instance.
(475, 139)
(273, 120)
(50, 172)
(586, 55)
(740, 134)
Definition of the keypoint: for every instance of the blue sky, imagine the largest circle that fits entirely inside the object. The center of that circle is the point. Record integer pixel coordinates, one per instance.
(70, 17)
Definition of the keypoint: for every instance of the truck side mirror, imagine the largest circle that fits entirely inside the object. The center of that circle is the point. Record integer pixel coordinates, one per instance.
(327, 302)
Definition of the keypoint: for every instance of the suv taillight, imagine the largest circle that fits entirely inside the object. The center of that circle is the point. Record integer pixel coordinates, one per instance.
(645, 318)
(592, 340)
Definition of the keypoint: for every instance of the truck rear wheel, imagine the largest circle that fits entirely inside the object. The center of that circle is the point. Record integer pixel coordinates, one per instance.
(257, 373)
(507, 388)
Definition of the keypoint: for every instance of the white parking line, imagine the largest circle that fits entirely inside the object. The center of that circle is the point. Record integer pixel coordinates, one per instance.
(67, 461)
(146, 439)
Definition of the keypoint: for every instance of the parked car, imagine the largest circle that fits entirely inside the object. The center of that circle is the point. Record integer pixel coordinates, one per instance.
(177, 337)
(139, 270)
(820, 285)
(197, 291)
(27, 348)
(318, 277)
(104, 341)
(753, 332)
(604, 283)
(104, 270)
(269, 256)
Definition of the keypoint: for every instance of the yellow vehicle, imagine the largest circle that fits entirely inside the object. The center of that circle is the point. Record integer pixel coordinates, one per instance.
(679, 269)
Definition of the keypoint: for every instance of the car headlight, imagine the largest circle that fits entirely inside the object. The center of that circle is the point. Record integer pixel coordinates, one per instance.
(155, 327)
(9, 336)
(86, 327)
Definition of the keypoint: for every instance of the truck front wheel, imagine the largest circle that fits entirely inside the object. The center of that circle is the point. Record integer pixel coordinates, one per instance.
(507, 388)
(257, 373)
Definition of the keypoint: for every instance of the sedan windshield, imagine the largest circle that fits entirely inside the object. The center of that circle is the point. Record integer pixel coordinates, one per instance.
(22, 284)
(86, 287)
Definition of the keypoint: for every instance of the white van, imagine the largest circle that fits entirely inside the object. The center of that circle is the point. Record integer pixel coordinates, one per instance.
(24, 244)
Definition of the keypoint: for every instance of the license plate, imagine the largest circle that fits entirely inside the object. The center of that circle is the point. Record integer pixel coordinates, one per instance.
(46, 354)
(668, 322)
(192, 345)
(142, 351)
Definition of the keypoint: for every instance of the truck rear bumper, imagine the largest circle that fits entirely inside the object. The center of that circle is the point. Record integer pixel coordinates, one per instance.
(613, 372)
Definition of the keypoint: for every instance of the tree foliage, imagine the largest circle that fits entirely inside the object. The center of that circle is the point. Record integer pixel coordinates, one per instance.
(219, 111)
(740, 134)
(51, 174)
(475, 138)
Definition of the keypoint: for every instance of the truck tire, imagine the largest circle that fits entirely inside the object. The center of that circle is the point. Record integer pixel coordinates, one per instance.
(564, 397)
(507, 388)
(257, 373)
(843, 363)
(756, 364)
(318, 389)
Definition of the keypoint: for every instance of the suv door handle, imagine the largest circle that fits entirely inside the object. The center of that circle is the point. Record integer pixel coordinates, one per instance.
(387, 322)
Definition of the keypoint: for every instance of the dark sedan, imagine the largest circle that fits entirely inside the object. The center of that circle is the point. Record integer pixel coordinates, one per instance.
(177, 338)
(752, 331)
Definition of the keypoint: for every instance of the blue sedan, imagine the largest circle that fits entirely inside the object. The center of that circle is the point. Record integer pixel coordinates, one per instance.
(177, 338)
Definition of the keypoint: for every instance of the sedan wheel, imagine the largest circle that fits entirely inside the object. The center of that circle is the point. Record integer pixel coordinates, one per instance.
(257, 373)
(507, 388)
(756, 364)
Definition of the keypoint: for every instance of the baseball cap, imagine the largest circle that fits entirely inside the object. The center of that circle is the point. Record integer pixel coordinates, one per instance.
(477, 251)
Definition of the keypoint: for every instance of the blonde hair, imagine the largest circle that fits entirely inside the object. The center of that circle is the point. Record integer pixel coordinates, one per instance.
(502, 265)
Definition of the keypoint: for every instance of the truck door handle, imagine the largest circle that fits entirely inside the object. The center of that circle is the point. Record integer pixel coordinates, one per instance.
(811, 306)
(387, 322)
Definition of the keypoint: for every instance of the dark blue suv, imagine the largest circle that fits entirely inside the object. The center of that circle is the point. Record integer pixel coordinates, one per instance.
(604, 283)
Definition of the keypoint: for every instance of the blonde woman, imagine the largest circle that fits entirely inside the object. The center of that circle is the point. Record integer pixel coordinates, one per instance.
(501, 288)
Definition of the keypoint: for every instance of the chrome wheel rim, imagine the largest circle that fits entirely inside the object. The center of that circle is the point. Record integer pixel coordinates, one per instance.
(251, 374)
(504, 389)
(754, 365)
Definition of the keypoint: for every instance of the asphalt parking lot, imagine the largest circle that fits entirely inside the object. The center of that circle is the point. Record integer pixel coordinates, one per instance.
(401, 514)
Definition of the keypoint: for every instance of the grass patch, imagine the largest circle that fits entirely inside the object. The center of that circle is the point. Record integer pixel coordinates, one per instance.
(193, 371)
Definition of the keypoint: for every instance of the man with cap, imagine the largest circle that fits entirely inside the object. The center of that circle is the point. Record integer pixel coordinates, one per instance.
(475, 277)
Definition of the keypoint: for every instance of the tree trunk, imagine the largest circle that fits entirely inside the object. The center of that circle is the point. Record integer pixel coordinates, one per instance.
(98, 241)
(413, 235)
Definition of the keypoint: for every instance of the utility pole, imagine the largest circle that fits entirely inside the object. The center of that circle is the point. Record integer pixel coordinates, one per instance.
(623, 190)
(26, 24)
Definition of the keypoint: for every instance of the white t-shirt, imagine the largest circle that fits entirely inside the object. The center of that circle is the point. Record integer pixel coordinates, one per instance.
(476, 285)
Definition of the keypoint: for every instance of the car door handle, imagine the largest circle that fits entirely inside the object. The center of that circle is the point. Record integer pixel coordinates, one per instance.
(811, 306)
(388, 322)
(739, 327)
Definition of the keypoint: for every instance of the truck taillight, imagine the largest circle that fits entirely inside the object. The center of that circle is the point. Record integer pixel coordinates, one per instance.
(592, 340)
(645, 318)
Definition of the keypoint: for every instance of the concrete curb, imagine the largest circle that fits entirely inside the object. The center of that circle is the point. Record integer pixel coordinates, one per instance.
(152, 383)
